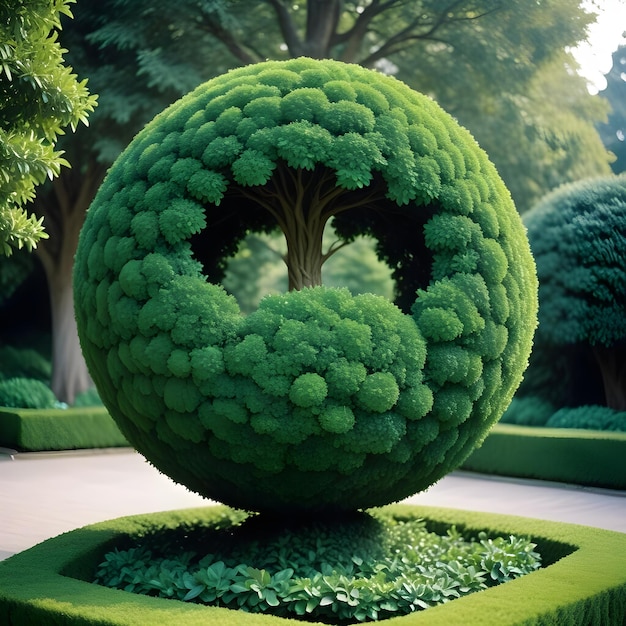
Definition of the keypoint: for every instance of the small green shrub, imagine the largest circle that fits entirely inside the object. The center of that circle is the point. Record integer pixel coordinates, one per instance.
(361, 569)
(589, 417)
(528, 411)
(26, 393)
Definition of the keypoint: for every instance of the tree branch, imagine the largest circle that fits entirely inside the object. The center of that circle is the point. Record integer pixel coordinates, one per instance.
(229, 40)
(287, 27)
(407, 35)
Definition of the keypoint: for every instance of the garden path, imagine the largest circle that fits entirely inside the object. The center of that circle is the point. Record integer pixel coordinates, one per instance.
(45, 494)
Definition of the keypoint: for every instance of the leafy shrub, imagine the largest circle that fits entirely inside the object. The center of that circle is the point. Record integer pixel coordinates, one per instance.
(356, 570)
(589, 417)
(528, 411)
(26, 393)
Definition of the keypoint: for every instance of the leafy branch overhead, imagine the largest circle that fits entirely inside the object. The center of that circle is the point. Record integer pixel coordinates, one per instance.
(355, 32)
(40, 97)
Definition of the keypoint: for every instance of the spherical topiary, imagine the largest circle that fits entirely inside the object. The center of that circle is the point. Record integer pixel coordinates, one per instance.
(318, 400)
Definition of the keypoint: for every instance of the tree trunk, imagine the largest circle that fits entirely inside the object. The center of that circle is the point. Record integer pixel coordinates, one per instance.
(304, 259)
(612, 364)
(69, 371)
(64, 211)
(321, 25)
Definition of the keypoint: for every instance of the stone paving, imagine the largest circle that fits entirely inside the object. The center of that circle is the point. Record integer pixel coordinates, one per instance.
(45, 494)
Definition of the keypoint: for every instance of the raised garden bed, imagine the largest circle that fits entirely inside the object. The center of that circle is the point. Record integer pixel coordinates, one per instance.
(583, 580)
(35, 430)
(583, 457)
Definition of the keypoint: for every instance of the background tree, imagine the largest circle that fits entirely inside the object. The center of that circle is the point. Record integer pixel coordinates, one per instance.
(39, 97)
(141, 55)
(551, 126)
(578, 237)
(613, 133)
(135, 83)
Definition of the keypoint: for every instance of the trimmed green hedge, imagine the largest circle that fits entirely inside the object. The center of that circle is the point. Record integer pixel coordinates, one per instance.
(31, 430)
(583, 584)
(583, 457)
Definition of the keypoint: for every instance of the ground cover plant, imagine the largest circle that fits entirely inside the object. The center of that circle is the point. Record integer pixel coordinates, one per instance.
(361, 400)
(358, 568)
(577, 372)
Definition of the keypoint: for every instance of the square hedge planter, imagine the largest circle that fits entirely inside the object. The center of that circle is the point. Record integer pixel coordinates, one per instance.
(583, 457)
(583, 581)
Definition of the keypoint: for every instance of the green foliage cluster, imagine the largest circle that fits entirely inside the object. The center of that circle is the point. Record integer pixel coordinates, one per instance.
(613, 130)
(533, 410)
(361, 403)
(26, 393)
(588, 417)
(528, 411)
(354, 571)
(90, 397)
(40, 97)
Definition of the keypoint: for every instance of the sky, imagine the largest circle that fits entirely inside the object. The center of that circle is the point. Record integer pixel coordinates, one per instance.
(604, 38)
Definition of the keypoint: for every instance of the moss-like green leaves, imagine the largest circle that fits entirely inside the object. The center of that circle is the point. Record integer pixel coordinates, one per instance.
(318, 400)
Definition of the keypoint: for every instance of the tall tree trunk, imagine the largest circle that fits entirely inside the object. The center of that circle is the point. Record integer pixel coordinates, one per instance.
(69, 371)
(612, 364)
(64, 211)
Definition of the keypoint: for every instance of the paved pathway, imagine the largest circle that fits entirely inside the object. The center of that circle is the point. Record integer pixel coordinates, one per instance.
(45, 494)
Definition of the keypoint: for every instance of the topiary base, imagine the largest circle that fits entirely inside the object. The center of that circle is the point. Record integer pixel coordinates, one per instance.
(553, 454)
(35, 430)
(583, 580)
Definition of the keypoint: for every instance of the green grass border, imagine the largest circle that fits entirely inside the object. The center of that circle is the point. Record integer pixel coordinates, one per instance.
(584, 457)
(36, 430)
(585, 584)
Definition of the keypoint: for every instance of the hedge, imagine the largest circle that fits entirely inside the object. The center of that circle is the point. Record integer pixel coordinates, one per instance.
(583, 457)
(583, 583)
(31, 430)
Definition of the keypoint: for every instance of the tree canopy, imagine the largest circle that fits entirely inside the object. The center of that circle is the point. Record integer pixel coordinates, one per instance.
(475, 57)
(578, 237)
(40, 97)
(499, 67)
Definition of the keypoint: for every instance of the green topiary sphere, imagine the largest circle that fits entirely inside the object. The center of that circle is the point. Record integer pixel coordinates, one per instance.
(317, 401)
